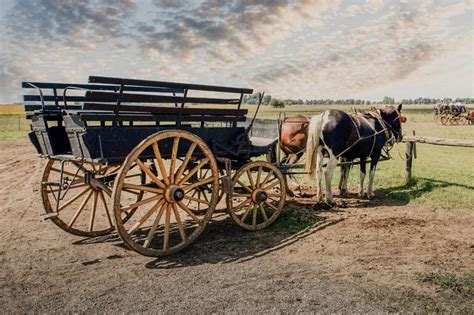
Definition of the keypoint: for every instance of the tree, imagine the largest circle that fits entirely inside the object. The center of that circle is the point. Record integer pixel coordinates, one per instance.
(276, 103)
(266, 99)
(388, 100)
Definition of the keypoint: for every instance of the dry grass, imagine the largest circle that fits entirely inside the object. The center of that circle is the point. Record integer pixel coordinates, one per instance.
(11, 109)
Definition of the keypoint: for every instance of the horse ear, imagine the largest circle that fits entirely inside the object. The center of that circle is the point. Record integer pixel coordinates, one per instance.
(399, 108)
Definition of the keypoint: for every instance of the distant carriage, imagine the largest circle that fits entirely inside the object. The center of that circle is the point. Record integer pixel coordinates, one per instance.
(149, 160)
(454, 114)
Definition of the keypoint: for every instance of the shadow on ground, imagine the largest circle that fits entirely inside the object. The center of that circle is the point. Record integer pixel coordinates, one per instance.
(223, 241)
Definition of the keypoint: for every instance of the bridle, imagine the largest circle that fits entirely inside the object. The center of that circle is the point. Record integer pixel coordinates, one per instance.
(395, 134)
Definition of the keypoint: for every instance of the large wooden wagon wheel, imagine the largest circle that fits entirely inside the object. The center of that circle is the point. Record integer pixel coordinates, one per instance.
(259, 194)
(78, 201)
(163, 223)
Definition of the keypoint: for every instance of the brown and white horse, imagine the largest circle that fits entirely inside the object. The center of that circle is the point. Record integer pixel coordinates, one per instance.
(345, 136)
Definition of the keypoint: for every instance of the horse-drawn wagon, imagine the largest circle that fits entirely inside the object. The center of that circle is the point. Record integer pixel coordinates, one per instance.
(149, 160)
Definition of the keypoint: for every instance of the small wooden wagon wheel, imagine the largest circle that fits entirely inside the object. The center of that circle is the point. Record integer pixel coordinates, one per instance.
(78, 201)
(444, 119)
(163, 223)
(258, 196)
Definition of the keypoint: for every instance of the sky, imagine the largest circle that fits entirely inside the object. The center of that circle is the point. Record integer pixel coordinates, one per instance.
(308, 49)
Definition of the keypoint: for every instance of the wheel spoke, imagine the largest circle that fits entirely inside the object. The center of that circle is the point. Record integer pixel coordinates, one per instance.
(179, 223)
(74, 199)
(244, 186)
(249, 175)
(191, 198)
(146, 216)
(257, 184)
(94, 207)
(174, 153)
(76, 215)
(241, 195)
(247, 211)
(193, 171)
(197, 184)
(194, 194)
(273, 195)
(147, 171)
(190, 213)
(131, 192)
(272, 185)
(154, 226)
(264, 214)
(106, 208)
(205, 196)
(141, 202)
(266, 178)
(160, 165)
(143, 188)
(181, 169)
(271, 206)
(242, 204)
(167, 227)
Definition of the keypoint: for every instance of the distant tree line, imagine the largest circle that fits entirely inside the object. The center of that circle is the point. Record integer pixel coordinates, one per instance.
(275, 102)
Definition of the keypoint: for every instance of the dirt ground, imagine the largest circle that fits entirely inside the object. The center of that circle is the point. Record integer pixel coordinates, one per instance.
(368, 257)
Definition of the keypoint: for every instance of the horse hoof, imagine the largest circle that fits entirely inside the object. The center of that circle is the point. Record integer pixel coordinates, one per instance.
(342, 192)
(370, 196)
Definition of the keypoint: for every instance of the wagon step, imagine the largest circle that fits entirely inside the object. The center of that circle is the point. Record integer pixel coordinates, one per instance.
(48, 216)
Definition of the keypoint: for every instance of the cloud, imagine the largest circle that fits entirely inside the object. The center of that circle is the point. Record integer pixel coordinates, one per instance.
(69, 22)
(230, 30)
(380, 51)
(290, 48)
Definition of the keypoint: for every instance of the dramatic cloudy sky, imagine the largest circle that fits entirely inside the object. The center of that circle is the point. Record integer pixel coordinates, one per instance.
(289, 48)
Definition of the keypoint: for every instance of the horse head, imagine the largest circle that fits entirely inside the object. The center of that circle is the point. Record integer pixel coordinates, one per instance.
(393, 120)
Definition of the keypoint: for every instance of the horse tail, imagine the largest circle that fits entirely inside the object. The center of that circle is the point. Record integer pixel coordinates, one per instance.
(312, 144)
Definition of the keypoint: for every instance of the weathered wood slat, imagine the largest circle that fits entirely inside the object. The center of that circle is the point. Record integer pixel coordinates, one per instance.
(136, 117)
(440, 141)
(30, 108)
(50, 98)
(98, 87)
(148, 98)
(168, 110)
(188, 86)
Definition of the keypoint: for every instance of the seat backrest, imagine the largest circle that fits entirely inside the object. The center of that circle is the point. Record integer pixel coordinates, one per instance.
(107, 98)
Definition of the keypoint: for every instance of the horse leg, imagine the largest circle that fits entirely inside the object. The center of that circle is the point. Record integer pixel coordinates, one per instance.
(373, 166)
(343, 179)
(362, 177)
(319, 172)
(331, 165)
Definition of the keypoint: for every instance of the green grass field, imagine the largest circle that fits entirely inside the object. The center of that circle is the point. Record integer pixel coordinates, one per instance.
(443, 176)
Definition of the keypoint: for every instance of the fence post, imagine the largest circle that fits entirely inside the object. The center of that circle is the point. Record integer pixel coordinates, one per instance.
(409, 161)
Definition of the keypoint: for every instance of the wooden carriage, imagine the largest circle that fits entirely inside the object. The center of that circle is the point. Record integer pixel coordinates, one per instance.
(150, 159)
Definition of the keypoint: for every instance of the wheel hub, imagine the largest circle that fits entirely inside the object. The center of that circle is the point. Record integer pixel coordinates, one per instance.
(259, 196)
(174, 193)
